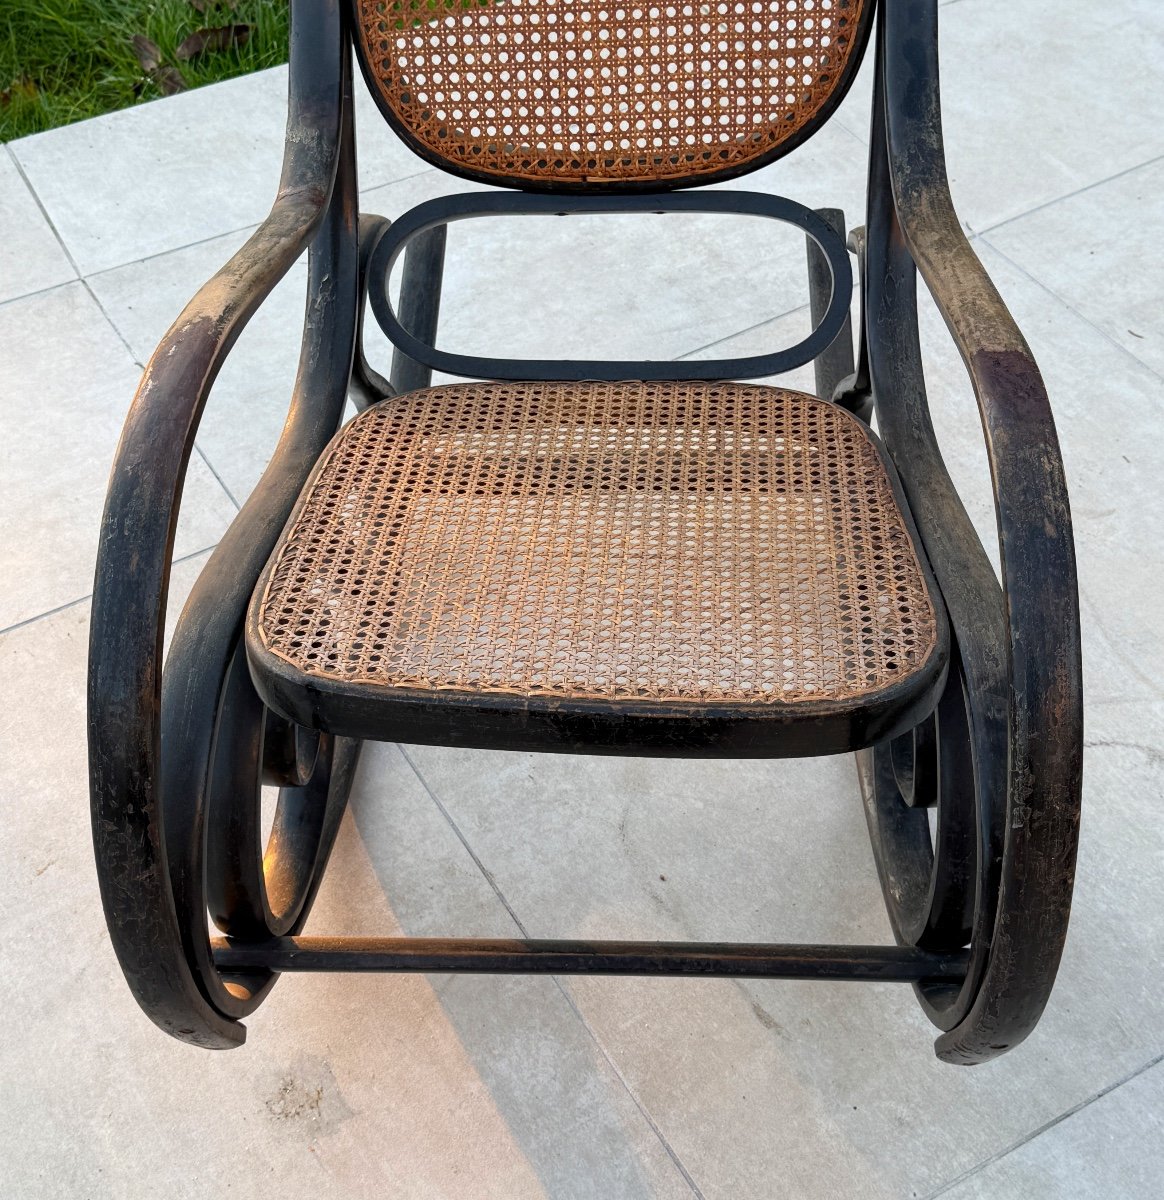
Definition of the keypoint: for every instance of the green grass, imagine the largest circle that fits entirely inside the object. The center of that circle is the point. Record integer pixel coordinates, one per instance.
(63, 60)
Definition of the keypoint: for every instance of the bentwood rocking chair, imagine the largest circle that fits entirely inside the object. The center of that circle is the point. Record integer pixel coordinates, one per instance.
(639, 558)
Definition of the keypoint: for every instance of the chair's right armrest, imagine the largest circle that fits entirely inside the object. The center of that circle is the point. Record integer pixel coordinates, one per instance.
(1036, 551)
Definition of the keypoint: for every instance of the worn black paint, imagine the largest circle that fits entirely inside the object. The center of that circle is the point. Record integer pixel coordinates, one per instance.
(175, 764)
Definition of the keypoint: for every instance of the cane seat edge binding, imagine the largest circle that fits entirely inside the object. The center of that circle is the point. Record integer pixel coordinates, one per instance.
(655, 565)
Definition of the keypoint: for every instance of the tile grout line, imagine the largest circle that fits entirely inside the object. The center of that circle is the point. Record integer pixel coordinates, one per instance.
(44, 291)
(1071, 308)
(862, 139)
(52, 612)
(84, 281)
(1087, 187)
(43, 211)
(146, 258)
(141, 367)
(740, 332)
(214, 471)
(491, 880)
(727, 337)
(1044, 1128)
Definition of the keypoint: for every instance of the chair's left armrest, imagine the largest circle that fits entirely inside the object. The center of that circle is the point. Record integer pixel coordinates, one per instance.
(137, 538)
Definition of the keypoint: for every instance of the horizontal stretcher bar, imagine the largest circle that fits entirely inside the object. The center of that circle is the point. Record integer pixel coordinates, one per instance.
(500, 956)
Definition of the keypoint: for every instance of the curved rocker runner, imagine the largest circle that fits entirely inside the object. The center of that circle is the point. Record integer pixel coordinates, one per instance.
(646, 558)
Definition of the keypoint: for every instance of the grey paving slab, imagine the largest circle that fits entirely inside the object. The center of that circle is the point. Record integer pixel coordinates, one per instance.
(615, 287)
(31, 258)
(1022, 126)
(397, 1086)
(1099, 252)
(813, 1084)
(66, 382)
(1113, 1147)
(159, 176)
(249, 400)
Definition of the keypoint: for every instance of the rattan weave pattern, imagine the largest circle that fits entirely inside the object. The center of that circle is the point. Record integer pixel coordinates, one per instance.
(594, 92)
(712, 543)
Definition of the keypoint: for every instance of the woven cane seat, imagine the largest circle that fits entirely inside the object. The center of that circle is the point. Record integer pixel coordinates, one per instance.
(557, 92)
(697, 546)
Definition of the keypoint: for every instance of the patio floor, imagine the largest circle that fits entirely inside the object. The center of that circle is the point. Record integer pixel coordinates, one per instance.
(608, 1088)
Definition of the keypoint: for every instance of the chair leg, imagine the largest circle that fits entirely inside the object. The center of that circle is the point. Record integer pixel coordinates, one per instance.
(420, 304)
(932, 880)
(1023, 746)
(835, 364)
(214, 764)
(256, 891)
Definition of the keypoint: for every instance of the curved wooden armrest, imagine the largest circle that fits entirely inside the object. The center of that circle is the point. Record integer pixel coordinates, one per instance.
(1044, 702)
(137, 538)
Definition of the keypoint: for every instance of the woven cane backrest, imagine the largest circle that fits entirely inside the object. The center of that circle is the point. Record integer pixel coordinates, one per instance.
(564, 94)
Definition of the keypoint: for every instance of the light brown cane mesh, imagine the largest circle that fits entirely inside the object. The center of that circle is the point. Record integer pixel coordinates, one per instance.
(682, 542)
(570, 91)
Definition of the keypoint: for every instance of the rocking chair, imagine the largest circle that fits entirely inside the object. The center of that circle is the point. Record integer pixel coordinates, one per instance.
(602, 557)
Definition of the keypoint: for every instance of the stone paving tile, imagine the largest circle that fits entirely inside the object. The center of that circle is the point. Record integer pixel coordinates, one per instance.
(1039, 99)
(66, 382)
(31, 258)
(159, 176)
(154, 177)
(1099, 252)
(831, 1088)
(399, 1086)
(1113, 1147)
